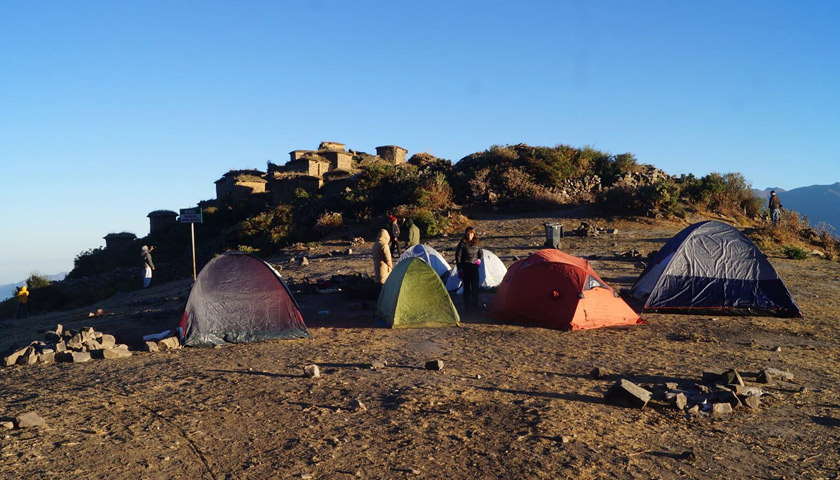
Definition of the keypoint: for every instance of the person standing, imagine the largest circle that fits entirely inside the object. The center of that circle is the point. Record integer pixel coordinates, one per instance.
(775, 206)
(381, 252)
(394, 231)
(413, 234)
(468, 259)
(148, 265)
(22, 307)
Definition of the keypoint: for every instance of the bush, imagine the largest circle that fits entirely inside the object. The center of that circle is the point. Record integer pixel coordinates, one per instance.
(329, 221)
(795, 253)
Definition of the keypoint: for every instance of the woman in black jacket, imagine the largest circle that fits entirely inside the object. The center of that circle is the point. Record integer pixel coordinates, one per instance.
(467, 259)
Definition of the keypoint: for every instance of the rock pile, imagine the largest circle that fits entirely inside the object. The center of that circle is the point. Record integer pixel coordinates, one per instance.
(719, 391)
(586, 229)
(66, 345)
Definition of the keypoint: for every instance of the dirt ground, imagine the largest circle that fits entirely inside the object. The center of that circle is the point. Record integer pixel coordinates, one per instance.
(511, 402)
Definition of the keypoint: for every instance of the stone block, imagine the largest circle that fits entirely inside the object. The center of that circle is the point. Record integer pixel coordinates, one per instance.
(312, 371)
(751, 401)
(59, 329)
(723, 377)
(12, 358)
(151, 347)
(8, 425)
(107, 341)
(119, 351)
(91, 345)
(721, 408)
(73, 357)
(29, 357)
(52, 337)
(627, 394)
(726, 397)
(29, 420)
(46, 357)
(680, 401)
(75, 342)
(169, 343)
(434, 365)
(769, 375)
(60, 346)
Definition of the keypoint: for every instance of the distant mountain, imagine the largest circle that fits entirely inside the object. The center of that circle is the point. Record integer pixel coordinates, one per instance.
(821, 203)
(766, 192)
(8, 290)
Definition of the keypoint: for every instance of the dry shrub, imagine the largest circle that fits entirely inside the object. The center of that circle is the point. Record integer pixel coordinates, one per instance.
(329, 221)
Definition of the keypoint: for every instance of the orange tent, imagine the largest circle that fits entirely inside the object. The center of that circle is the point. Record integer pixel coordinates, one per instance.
(557, 290)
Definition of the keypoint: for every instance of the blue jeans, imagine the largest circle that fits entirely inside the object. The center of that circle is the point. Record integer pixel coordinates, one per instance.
(775, 215)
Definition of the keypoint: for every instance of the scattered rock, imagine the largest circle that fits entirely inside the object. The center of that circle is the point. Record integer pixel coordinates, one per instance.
(721, 408)
(28, 420)
(170, 343)
(304, 261)
(777, 349)
(73, 357)
(769, 375)
(434, 365)
(751, 401)
(107, 341)
(7, 424)
(627, 394)
(377, 364)
(151, 347)
(679, 401)
(119, 351)
(599, 372)
(312, 371)
(356, 405)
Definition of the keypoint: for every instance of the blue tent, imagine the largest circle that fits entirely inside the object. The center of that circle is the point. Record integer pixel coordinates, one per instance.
(712, 266)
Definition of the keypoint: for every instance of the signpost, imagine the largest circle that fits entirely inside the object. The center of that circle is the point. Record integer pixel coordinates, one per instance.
(192, 216)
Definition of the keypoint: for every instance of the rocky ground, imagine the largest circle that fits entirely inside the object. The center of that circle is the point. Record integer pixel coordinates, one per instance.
(511, 401)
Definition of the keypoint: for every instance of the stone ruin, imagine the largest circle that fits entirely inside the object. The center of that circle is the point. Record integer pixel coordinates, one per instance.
(718, 392)
(66, 345)
(80, 346)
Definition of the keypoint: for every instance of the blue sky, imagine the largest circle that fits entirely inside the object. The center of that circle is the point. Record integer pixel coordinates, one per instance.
(110, 110)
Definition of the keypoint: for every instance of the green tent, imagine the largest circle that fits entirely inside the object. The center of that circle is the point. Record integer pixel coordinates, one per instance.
(414, 297)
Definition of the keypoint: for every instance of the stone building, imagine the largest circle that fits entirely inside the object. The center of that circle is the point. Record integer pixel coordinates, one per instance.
(240, 183)
(161, 219)
(283, 187)
(119, 241)
(393, 154)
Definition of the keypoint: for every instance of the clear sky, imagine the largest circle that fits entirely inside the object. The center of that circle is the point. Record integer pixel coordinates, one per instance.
(110, 110)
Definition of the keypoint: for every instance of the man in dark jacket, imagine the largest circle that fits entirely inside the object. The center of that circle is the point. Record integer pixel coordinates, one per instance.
(775, 206)
(394, 230)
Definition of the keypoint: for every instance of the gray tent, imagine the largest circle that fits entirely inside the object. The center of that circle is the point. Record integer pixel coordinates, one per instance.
(713, 266)
(238, 298)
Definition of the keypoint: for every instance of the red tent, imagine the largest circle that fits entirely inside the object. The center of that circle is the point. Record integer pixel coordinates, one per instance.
(557, 290)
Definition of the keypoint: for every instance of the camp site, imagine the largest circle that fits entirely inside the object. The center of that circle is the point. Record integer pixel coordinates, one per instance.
(279, 369)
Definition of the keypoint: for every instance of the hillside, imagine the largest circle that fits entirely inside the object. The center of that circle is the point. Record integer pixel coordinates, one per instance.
(511, 402)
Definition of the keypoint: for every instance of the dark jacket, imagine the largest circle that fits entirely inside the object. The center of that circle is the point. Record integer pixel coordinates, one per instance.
(775, 202)
(466, 254)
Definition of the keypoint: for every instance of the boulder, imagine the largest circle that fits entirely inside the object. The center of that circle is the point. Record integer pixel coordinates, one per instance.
(627, 394)
(28, 420)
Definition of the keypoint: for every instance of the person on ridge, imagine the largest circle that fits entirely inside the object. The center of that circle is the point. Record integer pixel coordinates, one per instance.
(413, 234)
(22, 308)
(468, 258)
(381, 251)
(148, 265)
(394, 231)
(775, 206)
